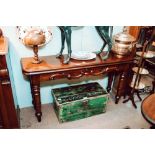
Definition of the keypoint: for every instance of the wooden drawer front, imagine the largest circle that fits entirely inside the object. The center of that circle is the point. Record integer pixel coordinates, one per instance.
(77, 73)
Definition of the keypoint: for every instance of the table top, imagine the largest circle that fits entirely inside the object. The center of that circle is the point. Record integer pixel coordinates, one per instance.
(51, 63)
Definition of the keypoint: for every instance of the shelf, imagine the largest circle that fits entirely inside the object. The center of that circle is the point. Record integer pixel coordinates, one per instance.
(142, 71)
(138, 86)
(148, 54)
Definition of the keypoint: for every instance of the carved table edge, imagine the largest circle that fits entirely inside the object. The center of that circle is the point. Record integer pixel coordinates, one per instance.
(30, 73)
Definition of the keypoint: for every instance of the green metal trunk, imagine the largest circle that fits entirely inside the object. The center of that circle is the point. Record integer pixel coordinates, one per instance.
(79, 101)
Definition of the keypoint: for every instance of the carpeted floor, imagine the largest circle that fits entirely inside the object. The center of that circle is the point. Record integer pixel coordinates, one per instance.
(118, 116)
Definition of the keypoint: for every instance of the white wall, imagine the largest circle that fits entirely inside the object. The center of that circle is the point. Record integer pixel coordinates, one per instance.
(83, 39)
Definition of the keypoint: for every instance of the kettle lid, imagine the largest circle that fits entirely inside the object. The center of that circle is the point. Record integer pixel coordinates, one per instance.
(124, 37)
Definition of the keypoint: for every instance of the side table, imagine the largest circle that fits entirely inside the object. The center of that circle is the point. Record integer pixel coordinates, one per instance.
(52, 68)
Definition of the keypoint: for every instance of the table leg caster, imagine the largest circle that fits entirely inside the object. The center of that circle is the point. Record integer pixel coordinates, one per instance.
(38, 115)
(117, 99)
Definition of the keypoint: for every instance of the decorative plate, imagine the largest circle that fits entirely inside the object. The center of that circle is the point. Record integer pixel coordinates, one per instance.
(23, 30)
(83, 55)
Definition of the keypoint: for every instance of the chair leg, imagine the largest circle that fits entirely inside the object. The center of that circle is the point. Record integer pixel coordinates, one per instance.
(153, 87)
(133, 102)
(138, 95)
(131, 97)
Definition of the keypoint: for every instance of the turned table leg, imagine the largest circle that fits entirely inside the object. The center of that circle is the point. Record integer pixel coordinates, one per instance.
(117, 99)
(110, 79)
(120, 86)
(35, 90)
(32, 93)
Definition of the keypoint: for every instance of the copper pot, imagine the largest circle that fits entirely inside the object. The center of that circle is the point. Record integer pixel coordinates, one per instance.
(123, 44)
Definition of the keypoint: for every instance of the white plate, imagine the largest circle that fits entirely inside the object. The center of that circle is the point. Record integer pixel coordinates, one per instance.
(83, 55)
(23, 30)
(141, 71)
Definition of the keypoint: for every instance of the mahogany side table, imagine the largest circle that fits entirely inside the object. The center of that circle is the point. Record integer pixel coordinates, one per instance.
(52, 68)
